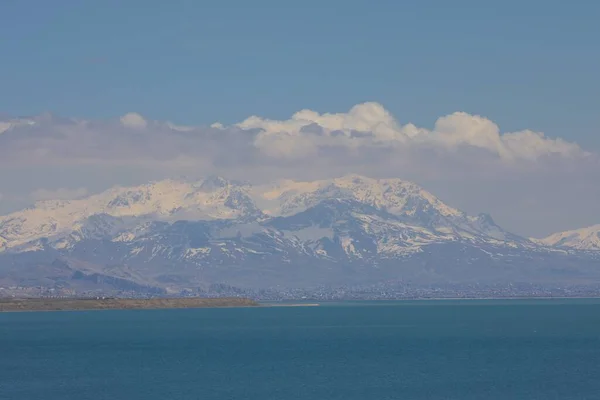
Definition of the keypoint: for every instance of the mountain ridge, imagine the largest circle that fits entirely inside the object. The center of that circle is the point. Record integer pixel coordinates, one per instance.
(587, 238)
(175, 235)
(216, 198)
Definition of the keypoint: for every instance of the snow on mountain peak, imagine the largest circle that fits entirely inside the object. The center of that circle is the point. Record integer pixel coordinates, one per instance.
(579, 239)
(160, 200)
(394, 195)
(217, 198)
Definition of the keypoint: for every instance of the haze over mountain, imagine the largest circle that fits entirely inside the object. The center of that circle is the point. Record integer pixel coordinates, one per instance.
(320, 227)
(465, 159)
(174, 235)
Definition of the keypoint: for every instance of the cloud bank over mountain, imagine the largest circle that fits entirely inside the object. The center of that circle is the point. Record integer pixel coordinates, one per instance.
(369, 125)
(521, 177)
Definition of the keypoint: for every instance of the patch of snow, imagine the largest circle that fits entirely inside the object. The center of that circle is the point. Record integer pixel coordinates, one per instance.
(192, 252)
(136, 250)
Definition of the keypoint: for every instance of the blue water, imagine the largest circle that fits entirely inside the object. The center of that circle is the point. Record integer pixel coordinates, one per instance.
(402, 350)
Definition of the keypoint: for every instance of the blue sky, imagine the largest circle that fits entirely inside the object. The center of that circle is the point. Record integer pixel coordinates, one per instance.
(524, 64)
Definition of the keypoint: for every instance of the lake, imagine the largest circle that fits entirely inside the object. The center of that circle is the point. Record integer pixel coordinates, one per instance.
(463, 350)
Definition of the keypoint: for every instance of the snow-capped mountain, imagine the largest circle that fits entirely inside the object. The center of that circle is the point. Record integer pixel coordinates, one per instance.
(212, 198)
(394, 195)
(579, 239)
(216, 198)
(351, 229)
(410, 203)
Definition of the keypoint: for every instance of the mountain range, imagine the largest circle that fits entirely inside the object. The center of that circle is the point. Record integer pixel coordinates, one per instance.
(173, 236)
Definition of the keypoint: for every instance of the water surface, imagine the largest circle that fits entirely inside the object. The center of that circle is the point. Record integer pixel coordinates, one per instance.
(518, 349)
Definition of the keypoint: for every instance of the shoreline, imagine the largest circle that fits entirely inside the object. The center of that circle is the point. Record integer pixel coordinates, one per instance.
(54, 305)
(45, 305)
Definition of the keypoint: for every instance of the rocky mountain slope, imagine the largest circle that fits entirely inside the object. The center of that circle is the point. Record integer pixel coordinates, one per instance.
(173, 235)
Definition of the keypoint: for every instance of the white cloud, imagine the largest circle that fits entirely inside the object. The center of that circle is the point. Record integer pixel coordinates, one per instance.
(4, 126)
(58, 194)
(134, 120)
(363, 131)
(294, 137)
(180, 128)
